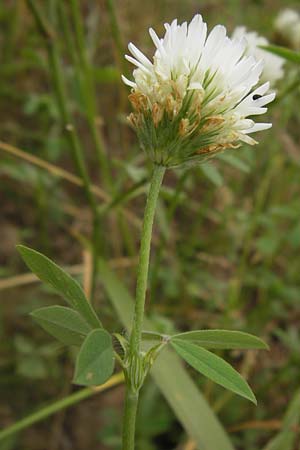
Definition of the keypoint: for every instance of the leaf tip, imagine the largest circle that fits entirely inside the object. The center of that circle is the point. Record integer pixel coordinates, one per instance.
(20, 248)
(262, 345)
(23, 251)
(253, 399)
(249, 395)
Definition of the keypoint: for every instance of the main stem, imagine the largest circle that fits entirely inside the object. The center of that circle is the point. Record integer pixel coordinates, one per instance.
(129, 419)
(132, 395)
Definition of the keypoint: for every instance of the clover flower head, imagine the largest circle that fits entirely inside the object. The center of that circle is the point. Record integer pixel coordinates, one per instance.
(273, 64)
(195, 99)
(287, 25)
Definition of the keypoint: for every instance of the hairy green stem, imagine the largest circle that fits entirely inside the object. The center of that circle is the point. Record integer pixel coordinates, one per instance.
(143, 266)
(130, 410)
(133, 385)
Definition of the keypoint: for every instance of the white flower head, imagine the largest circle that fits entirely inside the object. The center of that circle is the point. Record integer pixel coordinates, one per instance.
(194, 100)
(273, 64)
(287, 25)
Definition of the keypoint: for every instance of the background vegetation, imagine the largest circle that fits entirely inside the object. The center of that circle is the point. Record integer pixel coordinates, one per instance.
(227, 235)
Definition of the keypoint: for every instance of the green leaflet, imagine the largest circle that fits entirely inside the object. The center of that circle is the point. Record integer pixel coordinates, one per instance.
(66, 286)
(213, 367)
(63, 323)
(222, 339)
(95, 361)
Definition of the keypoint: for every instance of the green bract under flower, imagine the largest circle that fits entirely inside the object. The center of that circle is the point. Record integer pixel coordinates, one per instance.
(194, 100)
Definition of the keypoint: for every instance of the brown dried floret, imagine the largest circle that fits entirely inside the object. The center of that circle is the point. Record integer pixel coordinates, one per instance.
(139, 101)
(157, 113)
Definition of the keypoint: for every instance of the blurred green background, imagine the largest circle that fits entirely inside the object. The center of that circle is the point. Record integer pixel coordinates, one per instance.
(227, 236)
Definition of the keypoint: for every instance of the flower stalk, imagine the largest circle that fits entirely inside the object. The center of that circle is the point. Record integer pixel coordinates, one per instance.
(136, 369)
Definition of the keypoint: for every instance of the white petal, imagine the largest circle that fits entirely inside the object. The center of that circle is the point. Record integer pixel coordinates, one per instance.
(137, 63)
(157, 42)
(258, 127)
(247, 139)
(128, 82)
(139, 55)
(262, 101)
